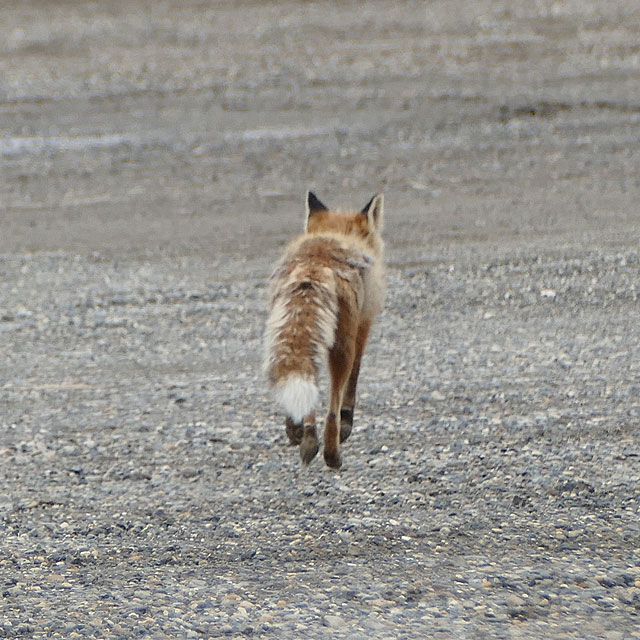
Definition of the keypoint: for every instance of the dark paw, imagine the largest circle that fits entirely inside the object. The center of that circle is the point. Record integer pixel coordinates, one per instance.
(308, 448)
(346, 423)
(294, 431)
(333, 459)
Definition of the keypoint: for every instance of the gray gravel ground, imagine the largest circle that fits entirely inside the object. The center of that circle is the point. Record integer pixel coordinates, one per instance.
(154, 160)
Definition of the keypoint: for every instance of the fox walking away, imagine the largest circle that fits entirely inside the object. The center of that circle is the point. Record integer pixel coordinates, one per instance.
(324, 295)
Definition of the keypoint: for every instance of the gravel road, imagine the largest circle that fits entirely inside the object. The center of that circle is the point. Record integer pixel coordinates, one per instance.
(154, 159)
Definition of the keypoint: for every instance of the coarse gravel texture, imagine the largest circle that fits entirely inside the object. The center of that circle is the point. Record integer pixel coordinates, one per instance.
(154, 159)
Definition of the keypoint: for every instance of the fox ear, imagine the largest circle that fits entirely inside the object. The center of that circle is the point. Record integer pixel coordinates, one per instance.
(313, 205)
(373, 210)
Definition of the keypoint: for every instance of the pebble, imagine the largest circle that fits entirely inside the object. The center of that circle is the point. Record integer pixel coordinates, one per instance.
(334, 622)
(514, 601)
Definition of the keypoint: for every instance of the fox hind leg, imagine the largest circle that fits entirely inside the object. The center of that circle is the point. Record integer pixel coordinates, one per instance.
(305, 435)
(308, 439)
(340, 366)
(349, 401)
(295, 431)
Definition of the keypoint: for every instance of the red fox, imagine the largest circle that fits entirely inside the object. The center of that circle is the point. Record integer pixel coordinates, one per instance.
(324, 295)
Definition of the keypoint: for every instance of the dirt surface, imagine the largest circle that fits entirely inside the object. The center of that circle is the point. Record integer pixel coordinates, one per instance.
(154, 158)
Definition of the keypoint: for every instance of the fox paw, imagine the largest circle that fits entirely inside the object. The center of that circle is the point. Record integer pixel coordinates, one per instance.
(333, 459)
(294, 431)
(308, 448)
(346, 423)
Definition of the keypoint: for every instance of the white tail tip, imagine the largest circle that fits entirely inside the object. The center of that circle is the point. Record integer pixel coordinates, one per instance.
(298, 396)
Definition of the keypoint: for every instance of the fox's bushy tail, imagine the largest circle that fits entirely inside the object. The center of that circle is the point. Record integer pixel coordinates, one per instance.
(301, 327)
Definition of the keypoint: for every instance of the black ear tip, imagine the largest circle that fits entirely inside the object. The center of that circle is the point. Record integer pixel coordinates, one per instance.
(367, 206)
(313, 203)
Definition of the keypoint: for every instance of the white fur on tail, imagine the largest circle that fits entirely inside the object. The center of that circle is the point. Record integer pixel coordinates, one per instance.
(297, 395)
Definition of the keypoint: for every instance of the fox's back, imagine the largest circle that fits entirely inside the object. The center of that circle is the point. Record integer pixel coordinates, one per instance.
(331, 260)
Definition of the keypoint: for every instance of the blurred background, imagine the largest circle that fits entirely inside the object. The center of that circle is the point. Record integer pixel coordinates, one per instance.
(197, 126)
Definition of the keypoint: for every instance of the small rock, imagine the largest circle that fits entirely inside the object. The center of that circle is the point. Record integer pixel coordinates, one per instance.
(334, 622)
(607, 581)
(514, 601)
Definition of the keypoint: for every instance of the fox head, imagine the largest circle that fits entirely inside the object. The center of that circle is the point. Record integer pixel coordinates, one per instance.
(365, 224)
